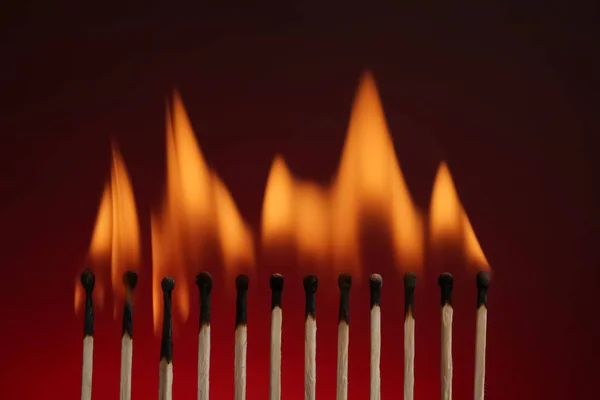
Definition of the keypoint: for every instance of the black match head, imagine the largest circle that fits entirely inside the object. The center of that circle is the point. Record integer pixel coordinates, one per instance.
(167, 284)
(376, 281)
(88, 280)
(311, 282)
(483, 280)
(241, 283)
(446, 280)
(130, 279)
(276, 282)
(345, 282)
(204, 281)
(410, 280)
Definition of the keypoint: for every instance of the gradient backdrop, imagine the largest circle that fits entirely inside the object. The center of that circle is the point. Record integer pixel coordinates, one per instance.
(500, 93)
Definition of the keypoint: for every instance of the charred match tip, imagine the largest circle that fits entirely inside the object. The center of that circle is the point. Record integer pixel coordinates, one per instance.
(166, 347)
(241, 283)
(88, 280)
(410, 284)
(130, 279)
(410, 280)
(446, 282)
(311, 283)
(276, 282)
(241, 313)
(483, 283)
(345, 282)
(204, 282)
(167, 284)
(376, 283)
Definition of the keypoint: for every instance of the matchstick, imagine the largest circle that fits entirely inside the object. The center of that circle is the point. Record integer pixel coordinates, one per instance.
(446, 282)
(241, 337)
(165, 385)
(130, 279)
(483, 282)
(410, 283)
(276, 283)
(310, 338)
(88, 281)
(204, 283)
(344, 283)
(376, 283)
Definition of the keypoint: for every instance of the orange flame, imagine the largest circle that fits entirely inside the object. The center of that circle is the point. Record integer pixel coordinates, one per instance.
(116, 236)
(449, 221)
(325, 222)
(197, 208)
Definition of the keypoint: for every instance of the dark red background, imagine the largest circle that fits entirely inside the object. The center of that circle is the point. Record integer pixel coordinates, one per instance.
(501, 93)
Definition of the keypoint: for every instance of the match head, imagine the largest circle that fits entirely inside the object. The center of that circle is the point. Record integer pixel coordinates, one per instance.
(276, 282)
(88, 280)
(167, 284)
(410, 280)
(204, 281)
(130, 279)
(483, 280)
(311, 282)
(376, 281)
(241, 283)
(345, 282)
(446, 280)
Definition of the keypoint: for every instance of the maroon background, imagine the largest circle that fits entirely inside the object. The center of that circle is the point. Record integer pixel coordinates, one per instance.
(501, 94)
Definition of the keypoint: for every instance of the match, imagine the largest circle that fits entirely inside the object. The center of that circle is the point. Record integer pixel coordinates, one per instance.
(376, 283)
(204, 283)
(410, 283)
(130, 279)
(276, 283)
(483, 282)
(88, 280)
(165, 385)
(446, 282)
(311, 283)
(241, 337)
(344, 283)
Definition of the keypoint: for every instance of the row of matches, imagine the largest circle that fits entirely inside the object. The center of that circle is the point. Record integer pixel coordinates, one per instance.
(204, 282)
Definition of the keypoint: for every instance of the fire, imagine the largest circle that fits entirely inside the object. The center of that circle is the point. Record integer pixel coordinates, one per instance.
(116, 237)
(197, 209)
(325, 222)
(449, 221)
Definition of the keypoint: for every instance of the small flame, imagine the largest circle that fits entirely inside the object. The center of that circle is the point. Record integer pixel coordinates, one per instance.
(116, 236)
(449, 222)
(325, 222)
(197, 209)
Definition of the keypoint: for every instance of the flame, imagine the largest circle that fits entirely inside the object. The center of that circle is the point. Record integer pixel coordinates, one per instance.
(325, 222)
(449, 221)
(197, 209)
(116, 236)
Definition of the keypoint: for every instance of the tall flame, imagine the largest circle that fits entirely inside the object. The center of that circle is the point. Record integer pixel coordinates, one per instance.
(325, 222)
(116, 237)
(449, 221)
(197, 208)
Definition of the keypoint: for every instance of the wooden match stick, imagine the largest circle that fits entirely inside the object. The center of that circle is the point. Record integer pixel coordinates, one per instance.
(165, 386)
(446, 282)
(204, 283)
(276, 283)
(88, 280)
(130, 279)
(376, 283)
(241, 337)
(483, 282)
(344, 283)
(310, 338)
(410, 283)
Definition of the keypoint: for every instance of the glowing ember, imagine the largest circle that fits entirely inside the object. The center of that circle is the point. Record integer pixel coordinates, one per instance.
(325, 222)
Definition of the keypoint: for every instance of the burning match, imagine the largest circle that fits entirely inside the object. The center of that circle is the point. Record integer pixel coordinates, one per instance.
(410, 283)
(311, 283)
(204, 282)
(241, 337)
(376, 283)
(344, 283)
(129, 281)
(88, 281)
(483, 282)
(165, 385)
(276, 283)
(446, 282)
